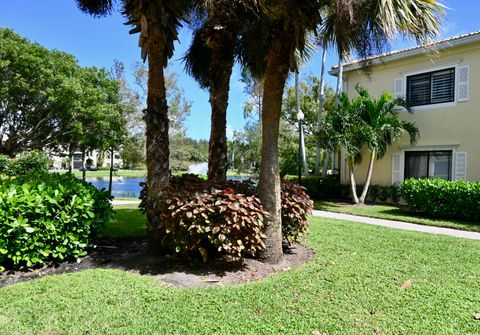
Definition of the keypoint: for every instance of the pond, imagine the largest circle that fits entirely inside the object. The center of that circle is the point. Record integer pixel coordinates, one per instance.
(128, 187)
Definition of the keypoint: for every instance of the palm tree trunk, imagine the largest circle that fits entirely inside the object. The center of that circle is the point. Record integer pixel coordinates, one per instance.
(320, 107)
(353, 185)
(156, 118)
(339, 80)
(269, 181)
(221, 70)
(363, 196)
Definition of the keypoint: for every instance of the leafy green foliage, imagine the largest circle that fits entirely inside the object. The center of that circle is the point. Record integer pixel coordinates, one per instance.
(319, 187)
(296, 207)
(48, 217)
(28, 161)
(443, 199)
(4, 162)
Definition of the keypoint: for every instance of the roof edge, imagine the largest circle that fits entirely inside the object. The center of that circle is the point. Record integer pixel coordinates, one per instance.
(409, 52)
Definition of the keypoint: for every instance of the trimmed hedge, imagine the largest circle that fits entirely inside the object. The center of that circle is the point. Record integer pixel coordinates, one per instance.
(48, 217)
(443, 199)
(319, 187)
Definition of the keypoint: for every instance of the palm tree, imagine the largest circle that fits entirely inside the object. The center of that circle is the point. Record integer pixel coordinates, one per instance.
(283, 31)
(384, 126)
(321, 103)
(210, 61)
(157, 22)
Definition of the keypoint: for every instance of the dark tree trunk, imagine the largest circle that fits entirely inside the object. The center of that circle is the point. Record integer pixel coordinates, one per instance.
(84, 169)
(222, 46)
(269, 183)
(71, 151)
(111, 172)
(156, 118)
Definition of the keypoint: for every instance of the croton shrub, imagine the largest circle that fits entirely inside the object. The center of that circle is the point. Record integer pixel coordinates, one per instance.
(48, 217)
(210, 217)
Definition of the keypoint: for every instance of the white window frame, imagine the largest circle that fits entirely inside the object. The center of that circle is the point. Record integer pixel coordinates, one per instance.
(433, 69)
(448, 147)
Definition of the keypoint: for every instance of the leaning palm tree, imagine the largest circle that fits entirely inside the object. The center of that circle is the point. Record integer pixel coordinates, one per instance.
(384, 126)
(278, 34)
(157, 22)
(210, 61)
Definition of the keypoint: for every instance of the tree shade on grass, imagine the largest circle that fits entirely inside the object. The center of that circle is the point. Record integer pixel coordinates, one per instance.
(352, 286)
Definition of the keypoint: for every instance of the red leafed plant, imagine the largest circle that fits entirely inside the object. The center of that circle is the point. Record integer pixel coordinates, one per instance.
(210, 217)
(296, 207)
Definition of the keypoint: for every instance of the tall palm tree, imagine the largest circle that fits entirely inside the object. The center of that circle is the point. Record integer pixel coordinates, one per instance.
(321, 103)
(384, 126)
(283, 30)
(210, 61)
(157, 22)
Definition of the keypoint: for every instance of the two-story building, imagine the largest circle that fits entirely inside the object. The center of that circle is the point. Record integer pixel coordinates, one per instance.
(442, 84)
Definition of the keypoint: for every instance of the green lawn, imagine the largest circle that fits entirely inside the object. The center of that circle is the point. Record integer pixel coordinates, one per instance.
(392, 212)
(127, 222)
(352, 286)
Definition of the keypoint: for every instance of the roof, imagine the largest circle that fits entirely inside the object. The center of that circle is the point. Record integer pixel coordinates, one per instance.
(409, 52)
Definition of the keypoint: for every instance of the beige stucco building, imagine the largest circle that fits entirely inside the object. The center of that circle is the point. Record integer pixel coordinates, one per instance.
(442, 84)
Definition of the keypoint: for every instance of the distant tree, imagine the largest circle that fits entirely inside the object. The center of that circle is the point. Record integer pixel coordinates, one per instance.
(39, 91)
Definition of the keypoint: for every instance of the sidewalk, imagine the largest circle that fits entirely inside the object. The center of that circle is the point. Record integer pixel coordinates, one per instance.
(125, 202)
(399, 225)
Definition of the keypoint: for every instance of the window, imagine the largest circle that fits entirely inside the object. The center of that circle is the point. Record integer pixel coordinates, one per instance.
(428, 164)
(431, 88)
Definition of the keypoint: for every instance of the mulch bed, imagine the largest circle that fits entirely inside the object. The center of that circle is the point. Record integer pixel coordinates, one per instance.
(132, 255)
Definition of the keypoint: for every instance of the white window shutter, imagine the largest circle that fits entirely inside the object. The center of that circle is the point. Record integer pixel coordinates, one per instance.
(396, 169)
(461, 166)
(398, 88)
(463, 83)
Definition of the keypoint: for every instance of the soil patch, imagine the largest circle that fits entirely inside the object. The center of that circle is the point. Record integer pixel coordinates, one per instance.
(132, 255)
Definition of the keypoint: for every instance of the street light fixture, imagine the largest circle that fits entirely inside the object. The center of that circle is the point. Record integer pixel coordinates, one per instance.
(300, 117)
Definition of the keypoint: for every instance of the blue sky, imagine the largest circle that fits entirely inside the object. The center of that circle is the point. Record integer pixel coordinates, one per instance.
(58, 24)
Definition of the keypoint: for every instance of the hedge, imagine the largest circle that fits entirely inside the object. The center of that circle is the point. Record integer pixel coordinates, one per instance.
(443, 199)
(48, 218)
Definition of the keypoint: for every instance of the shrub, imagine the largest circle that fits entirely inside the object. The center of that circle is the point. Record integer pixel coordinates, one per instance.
(35, 161)
(4, 161)
(48, 217)
(318, 187)
(443, 199)
(296, 207)
(228, 203)
(213, 222)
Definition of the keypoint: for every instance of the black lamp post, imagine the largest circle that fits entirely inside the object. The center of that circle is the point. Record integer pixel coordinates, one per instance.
(300, 117)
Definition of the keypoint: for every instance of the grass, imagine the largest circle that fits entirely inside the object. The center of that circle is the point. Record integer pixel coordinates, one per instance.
(352, 286)
(391, 212)
(127, 222)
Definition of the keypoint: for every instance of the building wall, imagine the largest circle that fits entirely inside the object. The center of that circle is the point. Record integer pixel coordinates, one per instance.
(452, 126)
(92, 156)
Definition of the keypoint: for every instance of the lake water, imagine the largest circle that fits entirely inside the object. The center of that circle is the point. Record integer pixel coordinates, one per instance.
(123, 187)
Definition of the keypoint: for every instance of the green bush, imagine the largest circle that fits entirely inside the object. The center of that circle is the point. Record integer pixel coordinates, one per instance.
(48, 217)
(236, 202)
(318, 187)
(443, 199)
(4, 161)
(35, 161)
(296, 207)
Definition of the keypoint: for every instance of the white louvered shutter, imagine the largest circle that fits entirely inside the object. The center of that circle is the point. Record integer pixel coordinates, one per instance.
(463, 83)
(461, 166)
(396, 169)
(398, 88)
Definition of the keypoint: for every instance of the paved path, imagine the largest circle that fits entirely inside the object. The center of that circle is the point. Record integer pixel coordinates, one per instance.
(399, 225)
(125, 202)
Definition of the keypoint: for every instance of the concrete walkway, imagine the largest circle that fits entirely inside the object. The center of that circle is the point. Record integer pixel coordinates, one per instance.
(125, 202)
(399, 225)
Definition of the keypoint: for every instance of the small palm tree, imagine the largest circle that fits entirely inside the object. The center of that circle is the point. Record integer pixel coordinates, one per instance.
(383, 126)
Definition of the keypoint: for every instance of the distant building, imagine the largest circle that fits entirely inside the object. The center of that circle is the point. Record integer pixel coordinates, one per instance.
(92, 159)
